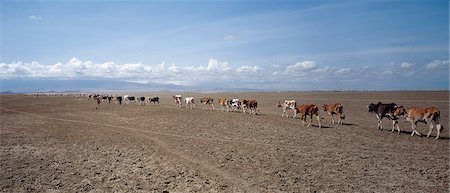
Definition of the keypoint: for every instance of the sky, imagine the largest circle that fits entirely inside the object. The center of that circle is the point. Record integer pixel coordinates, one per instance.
(267, 45)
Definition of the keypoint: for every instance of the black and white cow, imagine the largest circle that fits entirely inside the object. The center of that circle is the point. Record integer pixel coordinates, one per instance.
(385, 110)
(141, 100)
(153, 100)
(119, 99)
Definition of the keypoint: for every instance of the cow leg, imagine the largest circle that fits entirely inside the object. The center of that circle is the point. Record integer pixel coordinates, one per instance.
(310, 121)
(438, 128)
(414, 125)
(284, 112)
(295, 114)
(303, 118)
(394, 122)
(380, 125)
(430, 126)
(318, 120)
(398, 128)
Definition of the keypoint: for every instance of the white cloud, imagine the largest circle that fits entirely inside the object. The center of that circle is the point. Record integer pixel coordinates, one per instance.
(34, 17)
(406, 65)
(438, 63)
(306, 74)
(300, 66)
(229, 37)
(343, 71)
(248, 69)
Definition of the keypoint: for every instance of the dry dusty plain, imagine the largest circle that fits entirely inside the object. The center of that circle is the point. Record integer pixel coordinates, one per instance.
(60, 144)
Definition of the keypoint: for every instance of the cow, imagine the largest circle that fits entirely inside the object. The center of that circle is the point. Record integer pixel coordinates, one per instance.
(235, 104)
(119, 99)
(385, 110)
(177, 98)
(207, 101)
(98, 100)
(426, 115)
(335, 109)
(288, 104)
(153, 100)
(190, 103)
(141, 100)
(109, 99)
(252, 105)
(223, 102)
(310, 110)
(130, 99)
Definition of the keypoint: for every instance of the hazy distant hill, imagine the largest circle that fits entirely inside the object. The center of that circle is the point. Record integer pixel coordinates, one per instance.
(26, 86)
(21, 86)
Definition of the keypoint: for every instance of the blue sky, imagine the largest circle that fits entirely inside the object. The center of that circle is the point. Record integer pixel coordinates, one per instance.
(273, 45)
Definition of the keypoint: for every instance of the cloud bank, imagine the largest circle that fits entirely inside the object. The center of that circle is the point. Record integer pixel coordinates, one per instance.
(302, 75)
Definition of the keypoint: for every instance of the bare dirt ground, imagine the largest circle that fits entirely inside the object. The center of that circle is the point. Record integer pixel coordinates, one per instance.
(60, 144)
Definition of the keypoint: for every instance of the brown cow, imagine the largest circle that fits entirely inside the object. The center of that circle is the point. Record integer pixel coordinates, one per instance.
(310, 110)
(427, 115)
(223, 102)
(207, 101)
(335, 109)
(250, 104)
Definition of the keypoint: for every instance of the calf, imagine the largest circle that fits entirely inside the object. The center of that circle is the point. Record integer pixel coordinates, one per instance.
(310, 110)
(252, 105)
(289, 104)
(190, 103)
(426, 115)
(153, 100)
(177, 99)
(223, 102)
(207, 101)
(335, 109)
(385, 110)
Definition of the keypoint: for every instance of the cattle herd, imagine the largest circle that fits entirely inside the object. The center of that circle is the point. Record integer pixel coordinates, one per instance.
(392, 111)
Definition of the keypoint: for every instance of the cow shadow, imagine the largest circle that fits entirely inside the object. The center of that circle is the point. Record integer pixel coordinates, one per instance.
(350, 124)
(424, 135)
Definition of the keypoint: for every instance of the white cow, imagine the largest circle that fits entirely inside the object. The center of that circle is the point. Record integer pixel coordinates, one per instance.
(190, 103)
(289, 104)
(235, 104)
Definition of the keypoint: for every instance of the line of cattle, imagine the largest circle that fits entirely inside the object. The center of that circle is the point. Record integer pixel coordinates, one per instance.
(392, 111)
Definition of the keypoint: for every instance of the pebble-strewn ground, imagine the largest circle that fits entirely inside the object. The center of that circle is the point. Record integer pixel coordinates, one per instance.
(61, 144)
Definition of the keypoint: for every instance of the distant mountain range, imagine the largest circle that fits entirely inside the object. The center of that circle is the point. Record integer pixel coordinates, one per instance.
(8, 86)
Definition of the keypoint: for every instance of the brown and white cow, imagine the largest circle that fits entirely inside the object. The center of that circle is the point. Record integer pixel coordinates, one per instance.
(252, 105)
(310, 110)
(223, 102)
(177, 99)
(426, 115)
(207, 101)
(98, 100)
(335, 109)
(288, 104)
